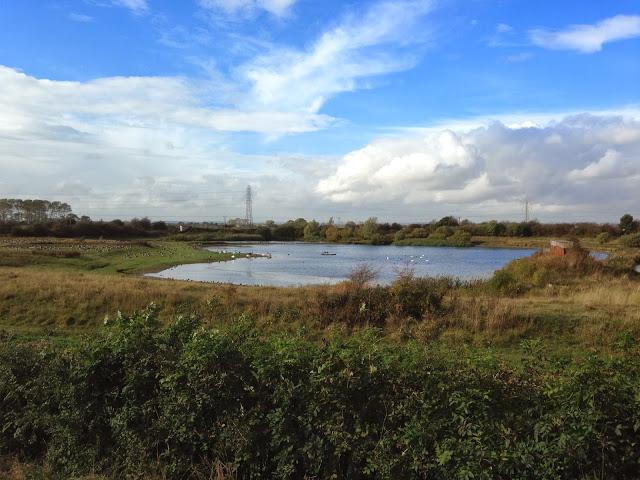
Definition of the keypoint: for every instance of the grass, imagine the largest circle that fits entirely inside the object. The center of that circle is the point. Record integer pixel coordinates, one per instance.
(102, 256)
(433, 242)
(61, 292)
(591, 315)
(61, 287)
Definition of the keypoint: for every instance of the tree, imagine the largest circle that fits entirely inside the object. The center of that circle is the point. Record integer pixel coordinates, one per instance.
(141, 223)
(311, 230)
(399, 235)
(331, 233)
(265, 233)
(369, 228)
(160, 225)
(6, 209)
(495, 228)
(627, 224)
(448, 221)
(441, 232)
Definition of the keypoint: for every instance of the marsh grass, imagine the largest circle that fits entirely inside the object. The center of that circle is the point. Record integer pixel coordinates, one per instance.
(573, 300)
(102, 256)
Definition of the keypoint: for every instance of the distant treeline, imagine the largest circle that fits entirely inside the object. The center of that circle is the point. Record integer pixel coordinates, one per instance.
(84, 227)
(42, 218)
(447, 229)
(45, 218)
(32, 211)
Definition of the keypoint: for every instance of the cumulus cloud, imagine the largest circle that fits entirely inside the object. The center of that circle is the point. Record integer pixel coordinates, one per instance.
(395, 168)
(580, 162)
(279, 8)
(57, 136)
(73, 137)
(610, 166)
(358, 48)
(588, 38)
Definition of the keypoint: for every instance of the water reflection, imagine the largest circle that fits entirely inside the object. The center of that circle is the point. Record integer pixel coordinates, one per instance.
(287, 264)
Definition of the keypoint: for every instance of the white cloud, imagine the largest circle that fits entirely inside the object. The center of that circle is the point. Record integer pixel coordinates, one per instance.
(609, 166)
(81, 18)
(519, 57)
(390, 169)
(108, 132)
(134, 101)
(279, 8)
(136, 6)
(588, 38)
(358, 48)
(504, 28)
(580, 162)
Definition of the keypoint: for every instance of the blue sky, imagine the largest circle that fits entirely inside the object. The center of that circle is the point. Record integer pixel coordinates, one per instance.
(331, 108)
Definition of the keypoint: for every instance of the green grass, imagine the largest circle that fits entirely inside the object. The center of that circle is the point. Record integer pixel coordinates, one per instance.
(108, 257)
(432, 242)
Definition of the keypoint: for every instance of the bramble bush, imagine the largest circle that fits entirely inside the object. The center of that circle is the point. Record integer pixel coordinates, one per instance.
(541, 269)
(138, 400)
(358, 302)
(631, 240)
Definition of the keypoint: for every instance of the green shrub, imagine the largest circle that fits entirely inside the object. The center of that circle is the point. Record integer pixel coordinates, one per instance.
(441, 232)
(631, 240)
(415, 296)
(504, 282)
(460, 238)
(603, 238)
(399, 235)
(139, 401)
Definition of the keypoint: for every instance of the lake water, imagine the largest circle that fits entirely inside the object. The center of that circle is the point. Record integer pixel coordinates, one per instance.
(303, 263)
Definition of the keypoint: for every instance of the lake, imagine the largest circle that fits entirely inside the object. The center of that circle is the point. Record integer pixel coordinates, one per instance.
(295, 263)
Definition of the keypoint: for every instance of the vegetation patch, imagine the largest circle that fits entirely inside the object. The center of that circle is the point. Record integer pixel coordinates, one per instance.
(138, 400)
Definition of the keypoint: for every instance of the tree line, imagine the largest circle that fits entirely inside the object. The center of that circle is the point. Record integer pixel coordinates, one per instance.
(447, 228)
(32, 211)
(39, 218)
(51, 218)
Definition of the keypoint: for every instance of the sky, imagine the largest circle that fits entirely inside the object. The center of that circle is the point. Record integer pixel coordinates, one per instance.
(406, 110)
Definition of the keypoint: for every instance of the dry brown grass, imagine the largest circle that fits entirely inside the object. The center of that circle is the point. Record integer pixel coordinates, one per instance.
(13, 469)
(81, 300)
(593, 311)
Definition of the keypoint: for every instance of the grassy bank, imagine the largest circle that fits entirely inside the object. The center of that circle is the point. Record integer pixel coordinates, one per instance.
(571, 307)
(102, 256)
